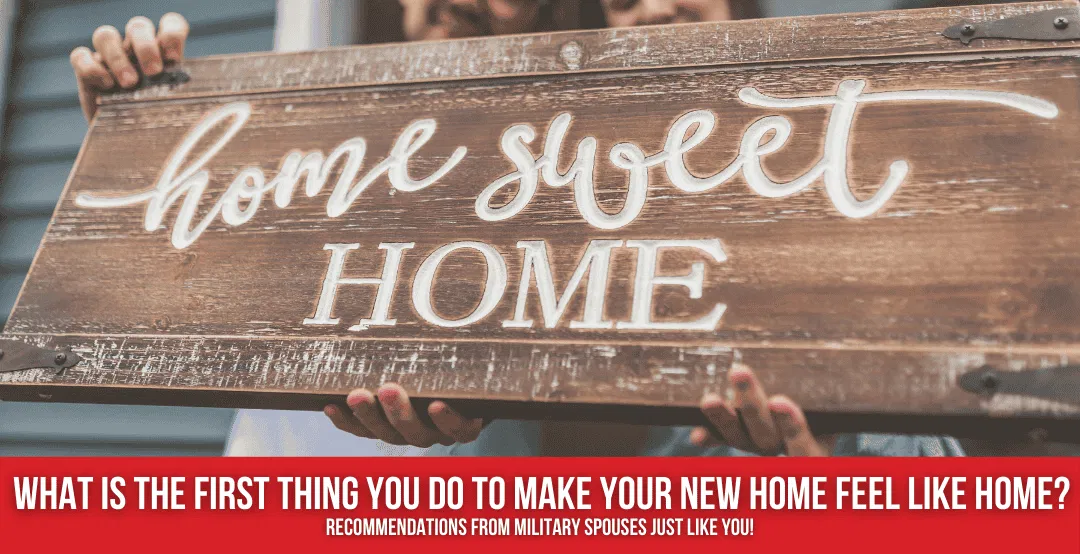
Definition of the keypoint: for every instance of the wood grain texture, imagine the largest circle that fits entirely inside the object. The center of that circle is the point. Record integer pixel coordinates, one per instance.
(866, 322)
(840, 36)
(969, 250)
(840, 389)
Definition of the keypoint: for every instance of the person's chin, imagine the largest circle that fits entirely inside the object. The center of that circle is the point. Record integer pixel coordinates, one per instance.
(461, 25)
(437, 32)
(524, 22)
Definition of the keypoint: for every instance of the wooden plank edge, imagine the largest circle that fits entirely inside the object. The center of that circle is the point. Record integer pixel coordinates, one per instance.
(336, 365)
(541, 54)
(973, 426)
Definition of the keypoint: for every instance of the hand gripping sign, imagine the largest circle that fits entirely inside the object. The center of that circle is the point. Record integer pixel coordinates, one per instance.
(878, 227)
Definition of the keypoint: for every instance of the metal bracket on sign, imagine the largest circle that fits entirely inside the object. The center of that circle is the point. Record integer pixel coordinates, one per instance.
(1059, 384)
(174, 77)
(19, 356)
(1049, 25)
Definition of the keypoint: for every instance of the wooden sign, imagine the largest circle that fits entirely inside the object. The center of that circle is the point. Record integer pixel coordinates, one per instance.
(878, 218)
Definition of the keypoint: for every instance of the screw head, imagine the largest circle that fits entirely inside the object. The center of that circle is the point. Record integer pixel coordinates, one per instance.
(1061, 22)
(572, 54)
(60, 358)
(967, 30)
(990, 382)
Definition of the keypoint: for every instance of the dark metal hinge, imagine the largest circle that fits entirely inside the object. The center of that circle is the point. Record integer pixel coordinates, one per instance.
(1057, 24)
(19, 356)
(175, 77)
(1060, 384)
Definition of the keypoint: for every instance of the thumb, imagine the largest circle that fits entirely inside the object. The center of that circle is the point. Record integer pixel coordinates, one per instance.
(795, 432)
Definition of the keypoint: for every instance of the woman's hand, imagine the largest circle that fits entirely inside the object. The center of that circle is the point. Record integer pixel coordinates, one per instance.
(768, 426)
(110, 63)
(389, 416)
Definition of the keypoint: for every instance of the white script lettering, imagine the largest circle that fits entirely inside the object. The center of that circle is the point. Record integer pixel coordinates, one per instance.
(250, 183)
(241, 200)
(627, 156)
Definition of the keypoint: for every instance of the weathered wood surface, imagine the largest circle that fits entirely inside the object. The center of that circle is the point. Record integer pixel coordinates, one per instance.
(650, 384)
(842, 36)
(972, 262)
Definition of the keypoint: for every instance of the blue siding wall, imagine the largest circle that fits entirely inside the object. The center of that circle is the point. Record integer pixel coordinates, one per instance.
(43, 128)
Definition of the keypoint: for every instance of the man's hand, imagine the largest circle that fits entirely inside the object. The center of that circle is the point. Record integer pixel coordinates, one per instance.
(768, 426)
(389, 417)
(110, 63)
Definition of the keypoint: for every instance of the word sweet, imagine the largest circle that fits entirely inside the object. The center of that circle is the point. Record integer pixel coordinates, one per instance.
(628, 156)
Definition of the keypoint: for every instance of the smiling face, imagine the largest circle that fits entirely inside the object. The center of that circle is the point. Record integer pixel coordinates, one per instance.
(633, 13)
(442, 19)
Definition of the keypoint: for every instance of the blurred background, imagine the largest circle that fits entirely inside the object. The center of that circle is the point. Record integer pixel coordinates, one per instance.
(41, 128)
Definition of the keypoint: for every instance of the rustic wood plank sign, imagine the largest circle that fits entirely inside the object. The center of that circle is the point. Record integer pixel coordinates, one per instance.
(878, 213)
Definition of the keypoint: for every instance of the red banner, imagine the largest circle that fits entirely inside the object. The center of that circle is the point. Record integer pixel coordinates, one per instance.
(475, 504)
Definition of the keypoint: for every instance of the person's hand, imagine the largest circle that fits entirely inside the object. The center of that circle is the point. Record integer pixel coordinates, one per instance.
(768, 426)
(390, 417)
(110, 63)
